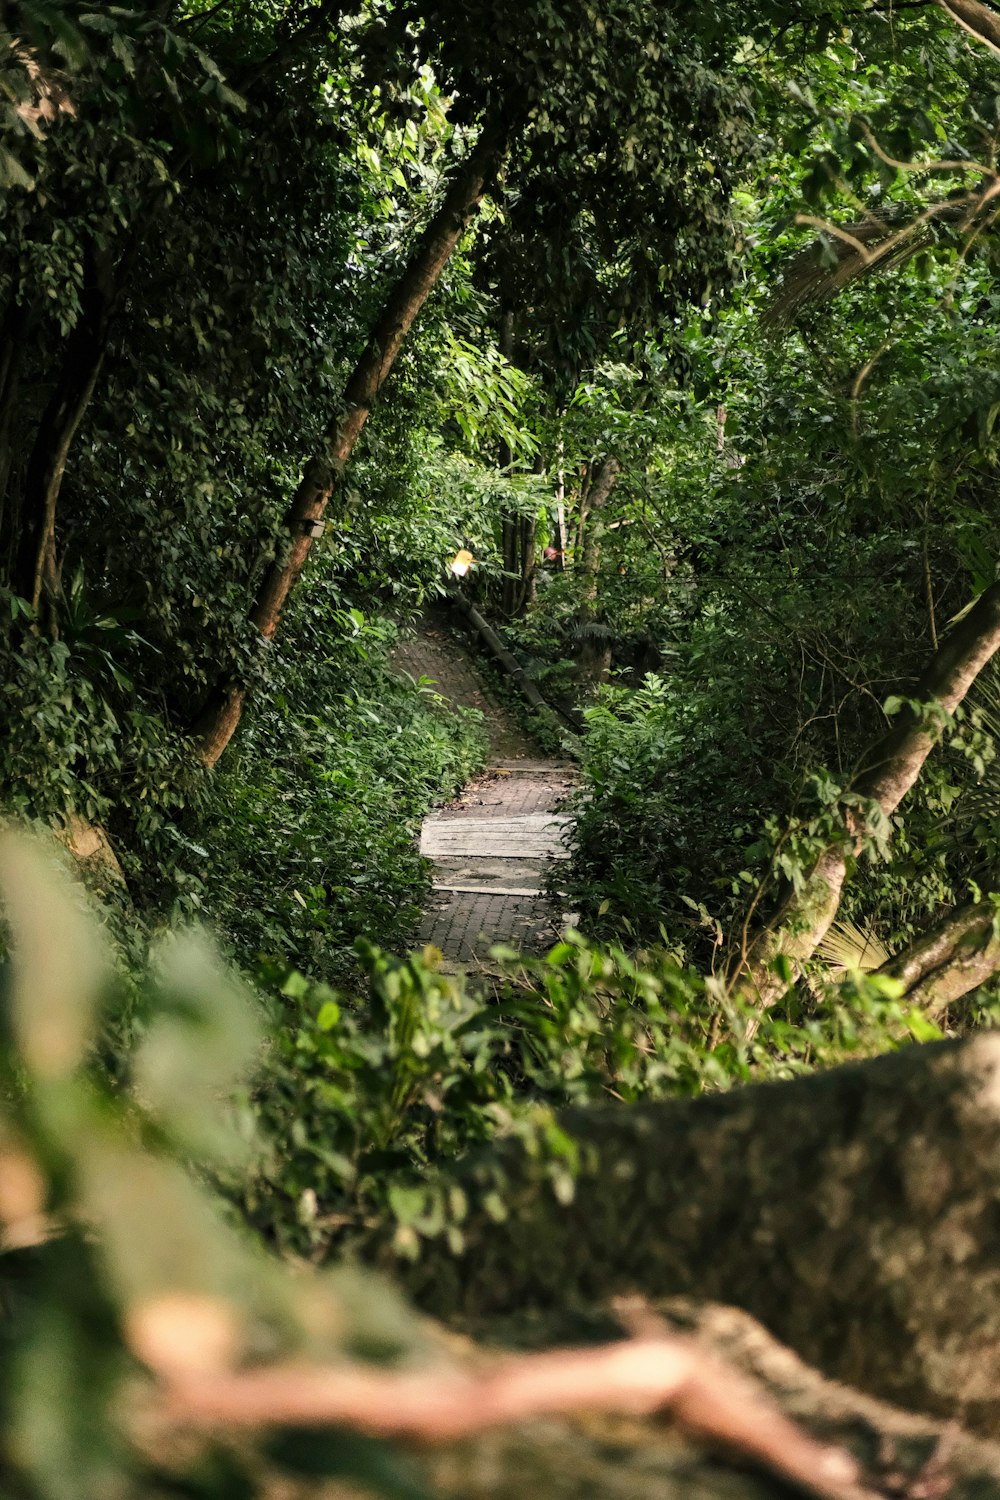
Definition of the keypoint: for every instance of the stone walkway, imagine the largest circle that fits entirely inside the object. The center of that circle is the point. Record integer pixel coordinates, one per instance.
(491, 851)
(493, 846)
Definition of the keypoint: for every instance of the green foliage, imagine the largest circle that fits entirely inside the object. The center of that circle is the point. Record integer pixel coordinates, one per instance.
(668, 808)
(368, 1103)
(83, 745)
(304, 840)
(116, 1264)
(802, 508)
(312, 835)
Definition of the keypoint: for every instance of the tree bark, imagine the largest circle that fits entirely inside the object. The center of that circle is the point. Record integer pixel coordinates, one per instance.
(529, 534)
(511, 565)
(900, 1454)
(853, 1212)
(886, 773)
(594, 656)
(221, 714)
(951, 959)
(561, 529)
(35, 570)
(511, 523)
(978, 19)
(599, 490)
(659, 1372)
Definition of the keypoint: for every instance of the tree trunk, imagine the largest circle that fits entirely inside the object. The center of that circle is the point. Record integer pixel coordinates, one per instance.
(35, 569)
(853, 1212)
(599, 1457)
(950, 960)
(887, 772)
(978, 19)
(598, 494)
(529, 531)
(511, 521)
(221, 714)
(594, 656)
(511, 566)
(586, 478)
(561, 530)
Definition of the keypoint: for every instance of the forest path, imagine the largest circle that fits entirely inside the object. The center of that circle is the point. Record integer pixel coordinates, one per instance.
(493, 844)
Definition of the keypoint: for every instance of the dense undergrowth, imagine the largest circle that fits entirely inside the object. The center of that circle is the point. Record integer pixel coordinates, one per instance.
(366, 1103)
(304, 841)
(314, 823)
(332, 1118)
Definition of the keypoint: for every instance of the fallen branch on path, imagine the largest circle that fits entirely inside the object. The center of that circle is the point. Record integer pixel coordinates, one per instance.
(515, 671)
(638, 1377)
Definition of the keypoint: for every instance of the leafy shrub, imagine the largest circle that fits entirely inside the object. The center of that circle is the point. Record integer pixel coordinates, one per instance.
(88, 744)
(365, 1102)
(306, 835)
(664, 818)
(313, 832)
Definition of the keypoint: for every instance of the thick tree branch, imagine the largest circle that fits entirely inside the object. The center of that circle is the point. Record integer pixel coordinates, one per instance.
(36, 572)
(853, 1212)
(950, 960)
(978, 20)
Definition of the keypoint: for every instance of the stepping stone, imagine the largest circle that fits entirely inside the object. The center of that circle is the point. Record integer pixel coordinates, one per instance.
(530, 836)
(494, 876)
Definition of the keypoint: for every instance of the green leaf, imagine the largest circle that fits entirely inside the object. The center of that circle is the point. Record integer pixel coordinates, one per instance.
(922, 1028)
(59, 961)
(328, 1016)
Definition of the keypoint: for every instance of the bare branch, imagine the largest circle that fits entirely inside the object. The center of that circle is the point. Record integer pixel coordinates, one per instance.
(944, 165)
(837, 232)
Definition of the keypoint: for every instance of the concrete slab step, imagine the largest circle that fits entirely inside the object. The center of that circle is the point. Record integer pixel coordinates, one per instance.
(561, 768)
(529, 836)
(487, 874)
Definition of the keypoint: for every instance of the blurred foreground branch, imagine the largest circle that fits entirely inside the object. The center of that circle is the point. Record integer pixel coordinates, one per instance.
(671, 1375)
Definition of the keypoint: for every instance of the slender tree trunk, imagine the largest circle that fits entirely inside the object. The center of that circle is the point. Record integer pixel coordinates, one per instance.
(603, 482)
(976, 18)
(511, 522)
(511, 565)
(221, 714)
(594, 657)
(887, 772)
(951, 959)
(35, 568)
(561, 506)
(529, 531)
(586, 479)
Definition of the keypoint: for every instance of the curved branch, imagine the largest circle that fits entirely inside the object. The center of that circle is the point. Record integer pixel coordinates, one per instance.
(887, 771)
(950, 960)
(978, 20)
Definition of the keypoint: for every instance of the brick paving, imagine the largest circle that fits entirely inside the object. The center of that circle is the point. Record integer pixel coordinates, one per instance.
(466, 925)
(533, 787)
(488, 871)
(492, 846)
